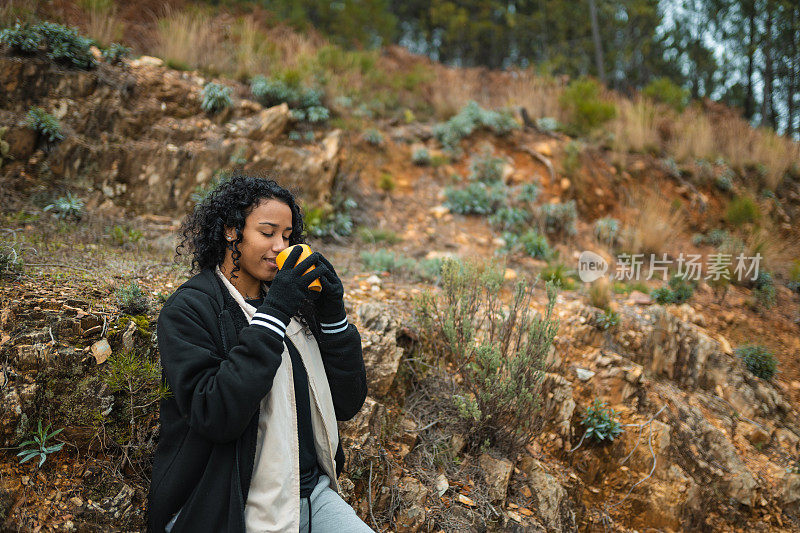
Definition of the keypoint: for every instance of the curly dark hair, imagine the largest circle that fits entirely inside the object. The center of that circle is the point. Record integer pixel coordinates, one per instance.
(228, 205)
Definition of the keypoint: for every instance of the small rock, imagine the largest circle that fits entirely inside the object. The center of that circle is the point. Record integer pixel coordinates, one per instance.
(457, 443)
(465, 500)
(439, 211)
(101, 350)
(514, 516)
(373, 280)
(441, 485)
(510, 274)
(147, 61)
(584, 374)
(565, 183)
(77, 502)
(638, 298)
(497, 473)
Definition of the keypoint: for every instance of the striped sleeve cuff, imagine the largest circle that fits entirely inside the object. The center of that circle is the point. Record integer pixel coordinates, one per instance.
(334, 327)
(270, 322)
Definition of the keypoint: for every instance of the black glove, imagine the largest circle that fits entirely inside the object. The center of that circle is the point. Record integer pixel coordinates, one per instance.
(330, 304)
(290, 285)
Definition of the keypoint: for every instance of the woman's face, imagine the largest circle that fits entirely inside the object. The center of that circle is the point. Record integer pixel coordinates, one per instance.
(266, 234)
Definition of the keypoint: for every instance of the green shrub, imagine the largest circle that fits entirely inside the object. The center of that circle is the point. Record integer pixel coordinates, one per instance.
(667, 92)
(373, 137)
(41, 445)
(62, 43)
(45, 124)
(123, 235)
(336, 221)
(764, 291)
(607, 230)
(510, 218)
(742, 210)
(529, 193)
(558, 274)
(375, 235)
(216, 97)
(66, 45)
(716, 237)
(626, 288)
(387, 183)
(502, 354)
(724, 182)
(271, 92)
(471, 117)
(758, 360)
(572, 158)
(305, 103)
(115, 53)
(421, 157)
(67, 207)
(587, 111)
(559, 218)
(383, 260)
(476, 198)
(486, 168)
(548, 124)
(680, 290)
(535, 244)
(132, 300)
(606, 320)
(601, 422)
(22, 38)
(662, 295)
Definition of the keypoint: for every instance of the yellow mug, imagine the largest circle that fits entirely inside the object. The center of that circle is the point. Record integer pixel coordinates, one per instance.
(315, 285)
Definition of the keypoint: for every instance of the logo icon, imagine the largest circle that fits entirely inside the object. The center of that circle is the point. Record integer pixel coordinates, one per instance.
(591, 266)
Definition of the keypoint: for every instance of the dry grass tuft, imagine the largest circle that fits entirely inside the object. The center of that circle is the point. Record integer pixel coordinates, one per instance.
(100, 21)
(636, 127)
(191, 40)
(655, 224)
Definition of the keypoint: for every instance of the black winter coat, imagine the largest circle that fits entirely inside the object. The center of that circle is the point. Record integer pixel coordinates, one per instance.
(218, 368)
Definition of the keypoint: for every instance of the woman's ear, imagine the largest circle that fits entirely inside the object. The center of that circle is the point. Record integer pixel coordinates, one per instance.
(230, 234)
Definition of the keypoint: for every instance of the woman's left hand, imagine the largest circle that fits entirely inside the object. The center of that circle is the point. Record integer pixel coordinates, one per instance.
(330, 304)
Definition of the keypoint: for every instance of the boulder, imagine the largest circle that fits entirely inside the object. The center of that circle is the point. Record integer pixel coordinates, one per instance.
(379, 343)
(367, 422)
(267, 125)
(497, 474)
(551, 503)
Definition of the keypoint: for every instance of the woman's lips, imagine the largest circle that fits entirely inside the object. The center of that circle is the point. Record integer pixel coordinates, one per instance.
(272, 263)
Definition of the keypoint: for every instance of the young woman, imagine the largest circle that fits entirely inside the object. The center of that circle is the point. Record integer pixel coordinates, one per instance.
(260, 368)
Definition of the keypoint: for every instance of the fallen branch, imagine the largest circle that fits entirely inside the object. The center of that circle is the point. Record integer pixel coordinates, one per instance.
(543, 160)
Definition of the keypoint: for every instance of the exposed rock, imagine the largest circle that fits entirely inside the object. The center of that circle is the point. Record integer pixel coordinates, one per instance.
(551, 502)
(21, 142)
(368, 421)
(379, 342)
(558, 403)
(267, 125)
(497, 474)
(706, 452)
(638, 298)
(413, 494)
(618, 379)
(101, 350)
(790, 489)
(441, 485)
(584, 374)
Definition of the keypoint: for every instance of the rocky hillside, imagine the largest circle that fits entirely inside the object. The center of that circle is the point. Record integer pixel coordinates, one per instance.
(705, 445)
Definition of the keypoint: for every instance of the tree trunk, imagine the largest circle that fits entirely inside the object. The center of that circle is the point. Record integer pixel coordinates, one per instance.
(598, 49)
(749, 100)
(767, 104)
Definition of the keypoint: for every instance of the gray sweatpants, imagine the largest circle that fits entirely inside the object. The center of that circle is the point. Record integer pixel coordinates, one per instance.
(329, 512)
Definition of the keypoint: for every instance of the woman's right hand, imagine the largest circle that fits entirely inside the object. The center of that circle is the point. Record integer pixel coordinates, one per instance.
(290, 285)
